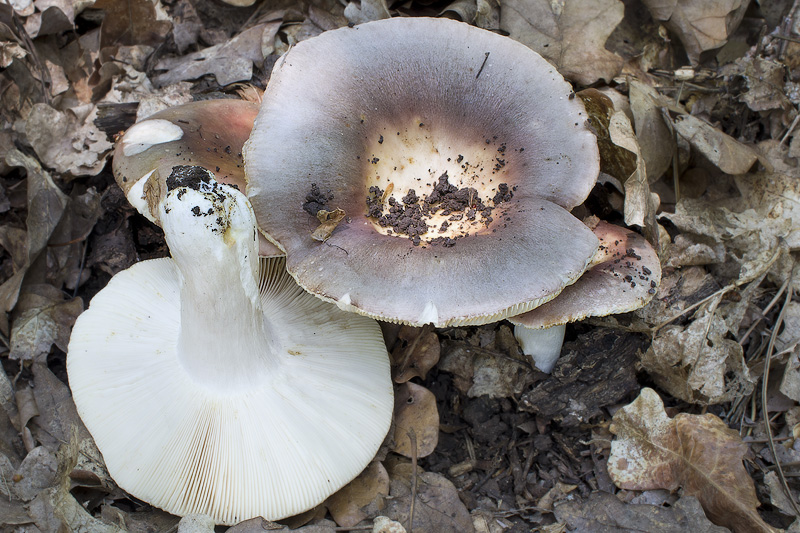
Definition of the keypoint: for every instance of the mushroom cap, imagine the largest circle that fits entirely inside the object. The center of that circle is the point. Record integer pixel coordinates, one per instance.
(426, 104)
(267, 425)
(207, 133)
(624, 276)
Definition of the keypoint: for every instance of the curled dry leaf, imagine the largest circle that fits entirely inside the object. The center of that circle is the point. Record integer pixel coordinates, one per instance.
(229, 62)
(49, 322)
(68, 141)
(652, 131)
(697, 453)
(328, 220)
(571, 35)
(362, 498)
(728, 154)
(416, 355)
(621, 158)
(46, 204)
(415, 410)
(366, 10)
(700, 25)
(697, 363)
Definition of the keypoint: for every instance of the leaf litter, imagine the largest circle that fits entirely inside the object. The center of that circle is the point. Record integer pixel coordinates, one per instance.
(696, 112)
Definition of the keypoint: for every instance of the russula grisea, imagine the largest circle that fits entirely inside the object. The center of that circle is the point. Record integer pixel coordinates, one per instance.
(623, 276)
(207, 133)
(213, 384)
(449, 158)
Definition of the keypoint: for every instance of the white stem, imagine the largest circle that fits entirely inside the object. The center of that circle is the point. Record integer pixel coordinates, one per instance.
(543, 345)
(210, 229)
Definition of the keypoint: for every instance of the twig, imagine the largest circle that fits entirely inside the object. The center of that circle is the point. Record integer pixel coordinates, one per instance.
(764, 412)
(766, 310)
(413, 438)
(485, 59)
(791, 129)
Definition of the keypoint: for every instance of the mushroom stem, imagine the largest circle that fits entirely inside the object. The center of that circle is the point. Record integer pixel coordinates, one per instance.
(543, 345)
(226, 341)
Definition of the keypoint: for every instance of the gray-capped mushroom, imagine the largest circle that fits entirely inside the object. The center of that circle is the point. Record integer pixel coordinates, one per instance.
(452, 155)
(623, 276)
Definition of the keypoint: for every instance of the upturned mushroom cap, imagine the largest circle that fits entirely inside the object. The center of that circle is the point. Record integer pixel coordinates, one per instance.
(208, 133)
(214, 386)
(455, 155)
(623, 276)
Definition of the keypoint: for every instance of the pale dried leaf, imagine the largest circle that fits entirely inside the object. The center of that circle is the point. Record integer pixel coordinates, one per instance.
(415, 410)
(9, 52)
(728, 154)
(68, 141)
(437, 508)
(697, 363)
(777, 496)
(571, 35)
(383, 524)
(131, 22)
(604, 513)
(362, 498)
(655, 136)
(46, 204)
(697, 453)
(366, 10)
(229, 62)
(36, 330)
(416, 355)
(37, 472)
(700, 25)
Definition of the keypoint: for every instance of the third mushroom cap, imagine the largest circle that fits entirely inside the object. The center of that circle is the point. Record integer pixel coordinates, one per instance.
(440, 162)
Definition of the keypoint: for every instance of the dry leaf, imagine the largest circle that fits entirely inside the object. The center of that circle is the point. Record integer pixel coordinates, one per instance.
(697, 453)
(728, 154)
(621, 158)
(68, 141)
(604, 513)
(46, 204)
(415, 410)
(416, 355)
(43, 318)
(654, 134)
(437, 507)
(130, 22)
(366, 10)
(481, 372)
(362, 498)
(571, 35)
(700, 25)
(328, 220)
(229, 62)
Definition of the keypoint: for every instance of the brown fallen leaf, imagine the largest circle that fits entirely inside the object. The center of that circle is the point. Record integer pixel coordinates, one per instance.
(437, 507)
(416, 355)
(697, 453)
(129, 22)
(621, 157)
(328, 220)
(571, 35)
(45, 319)
(604, 512)
(728, 154)
(415, 409)
(652, 131)
(362, 498)
(700, 25)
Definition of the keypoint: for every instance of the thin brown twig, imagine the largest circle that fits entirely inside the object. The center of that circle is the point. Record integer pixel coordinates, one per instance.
(413, 438)
(764, 411)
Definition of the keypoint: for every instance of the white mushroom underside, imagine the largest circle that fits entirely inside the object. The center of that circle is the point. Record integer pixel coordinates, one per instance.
(315, 422)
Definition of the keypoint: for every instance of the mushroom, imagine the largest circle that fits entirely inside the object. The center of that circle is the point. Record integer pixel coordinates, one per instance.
(213, 384)
(208, 133)
(622, 277)
(451, 156)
